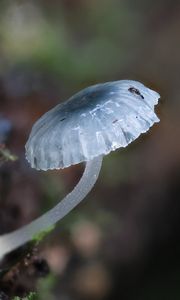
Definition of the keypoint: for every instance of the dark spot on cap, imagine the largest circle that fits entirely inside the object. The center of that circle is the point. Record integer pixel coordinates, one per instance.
(62, 119)
(135, 91)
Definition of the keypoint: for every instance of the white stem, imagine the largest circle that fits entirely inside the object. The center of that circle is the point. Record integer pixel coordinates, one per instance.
(17, 238)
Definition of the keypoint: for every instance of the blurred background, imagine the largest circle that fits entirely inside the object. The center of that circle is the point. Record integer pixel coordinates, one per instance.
(123, 241)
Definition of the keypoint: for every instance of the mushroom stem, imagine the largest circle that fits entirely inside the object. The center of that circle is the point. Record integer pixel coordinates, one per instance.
(17, 238)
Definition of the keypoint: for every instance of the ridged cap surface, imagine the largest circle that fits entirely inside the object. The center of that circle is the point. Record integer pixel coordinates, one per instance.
(93, 122)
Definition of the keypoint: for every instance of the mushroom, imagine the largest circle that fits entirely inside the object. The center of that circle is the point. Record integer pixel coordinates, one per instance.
(92, 123)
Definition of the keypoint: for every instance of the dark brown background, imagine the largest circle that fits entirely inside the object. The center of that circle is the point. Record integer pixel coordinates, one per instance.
(123, 241)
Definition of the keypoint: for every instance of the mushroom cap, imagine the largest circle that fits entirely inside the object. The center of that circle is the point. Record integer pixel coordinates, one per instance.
(93, 122)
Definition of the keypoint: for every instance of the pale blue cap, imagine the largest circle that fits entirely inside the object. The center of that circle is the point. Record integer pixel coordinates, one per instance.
(93, 122)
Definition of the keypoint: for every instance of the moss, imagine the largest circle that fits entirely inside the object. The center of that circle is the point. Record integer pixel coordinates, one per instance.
(42, 234)
(31, 296)
(6, 155)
